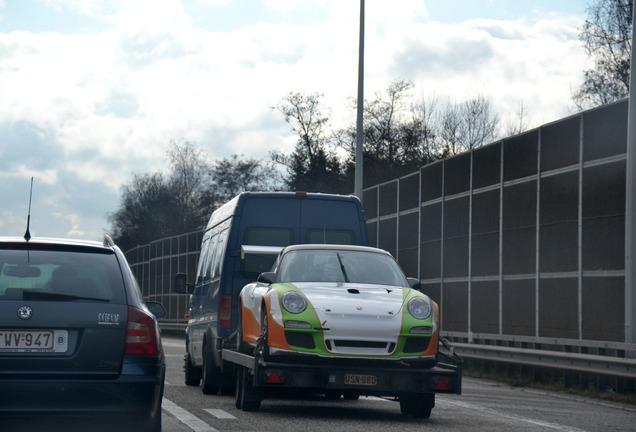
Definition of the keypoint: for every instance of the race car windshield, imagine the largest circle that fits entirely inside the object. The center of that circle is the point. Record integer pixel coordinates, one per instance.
(340, 266)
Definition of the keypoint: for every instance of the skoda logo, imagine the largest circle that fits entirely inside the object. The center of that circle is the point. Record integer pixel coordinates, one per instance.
(25, 312)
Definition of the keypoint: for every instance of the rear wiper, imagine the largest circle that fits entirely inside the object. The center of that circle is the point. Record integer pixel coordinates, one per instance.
(47, 295)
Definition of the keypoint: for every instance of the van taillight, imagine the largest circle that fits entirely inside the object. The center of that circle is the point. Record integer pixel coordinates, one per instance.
(225, 311)
(142, 335)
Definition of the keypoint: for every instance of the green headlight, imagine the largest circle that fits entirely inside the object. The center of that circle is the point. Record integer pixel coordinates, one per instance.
(420, 308)
(294, 302)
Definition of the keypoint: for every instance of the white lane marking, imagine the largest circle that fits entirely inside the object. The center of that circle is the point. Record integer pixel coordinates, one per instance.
(173, 343)
(484, 410)
(185, 417)
(219, 413)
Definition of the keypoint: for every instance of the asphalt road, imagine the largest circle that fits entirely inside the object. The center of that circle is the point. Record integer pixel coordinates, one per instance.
(483, 406)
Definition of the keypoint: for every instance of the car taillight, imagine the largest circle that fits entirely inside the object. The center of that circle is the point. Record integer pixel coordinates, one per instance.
(225, 311)
(141, 336)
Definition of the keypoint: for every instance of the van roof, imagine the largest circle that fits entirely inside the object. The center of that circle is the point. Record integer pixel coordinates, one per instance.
(227, 210)
(335, 247)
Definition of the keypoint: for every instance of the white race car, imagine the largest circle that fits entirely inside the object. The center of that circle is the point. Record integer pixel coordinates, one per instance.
(336, 301)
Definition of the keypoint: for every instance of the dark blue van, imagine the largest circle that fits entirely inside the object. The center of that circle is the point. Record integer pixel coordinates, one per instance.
(241, 241)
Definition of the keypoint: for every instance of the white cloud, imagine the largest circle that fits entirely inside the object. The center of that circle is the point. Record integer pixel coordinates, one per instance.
(534, 62)
(90, 109)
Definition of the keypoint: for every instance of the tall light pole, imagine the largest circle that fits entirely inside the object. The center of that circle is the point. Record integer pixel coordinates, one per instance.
(630, 205)
(359, 122)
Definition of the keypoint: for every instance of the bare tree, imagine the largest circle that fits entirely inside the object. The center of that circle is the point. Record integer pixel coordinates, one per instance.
(423, 122)
(313, 165)
(398, 134)
(480, 124)
(450, 131)
(383, 117)
(156, 205)
(188, 179)
(307, 118)
(148, 211)
(606, 37)
(231, 176)
(516, 123)
(467, 125)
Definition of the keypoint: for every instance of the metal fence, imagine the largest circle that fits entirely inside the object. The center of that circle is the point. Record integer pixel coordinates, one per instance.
(525, 236)
(155, 266)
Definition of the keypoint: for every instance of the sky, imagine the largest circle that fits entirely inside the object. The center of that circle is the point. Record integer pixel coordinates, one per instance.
(92, 92)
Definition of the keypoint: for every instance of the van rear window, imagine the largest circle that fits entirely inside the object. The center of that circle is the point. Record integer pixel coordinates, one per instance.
(258, 236)
(254, 264)
(321, 236)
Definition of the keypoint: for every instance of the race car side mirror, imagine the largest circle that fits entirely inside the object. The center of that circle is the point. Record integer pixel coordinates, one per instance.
(414, 283)
(266, 277)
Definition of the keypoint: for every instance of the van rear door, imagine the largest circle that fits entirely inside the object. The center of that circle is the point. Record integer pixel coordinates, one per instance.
(332, 221)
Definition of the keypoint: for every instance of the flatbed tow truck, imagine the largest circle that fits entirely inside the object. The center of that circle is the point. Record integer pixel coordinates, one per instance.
(413, 386)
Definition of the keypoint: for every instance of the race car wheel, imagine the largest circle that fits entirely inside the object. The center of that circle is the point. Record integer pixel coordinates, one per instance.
(261, 345)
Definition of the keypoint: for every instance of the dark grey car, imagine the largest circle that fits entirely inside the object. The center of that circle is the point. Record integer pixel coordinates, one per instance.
(78, 346)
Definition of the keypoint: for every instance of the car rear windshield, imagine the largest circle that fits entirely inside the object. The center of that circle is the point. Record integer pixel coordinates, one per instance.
(82, 275)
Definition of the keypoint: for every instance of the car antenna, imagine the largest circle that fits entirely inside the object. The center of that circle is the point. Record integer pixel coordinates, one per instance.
(27, 234)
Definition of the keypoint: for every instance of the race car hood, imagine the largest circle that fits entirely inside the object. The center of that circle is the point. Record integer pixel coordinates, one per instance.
(357, 319)
(354, 299)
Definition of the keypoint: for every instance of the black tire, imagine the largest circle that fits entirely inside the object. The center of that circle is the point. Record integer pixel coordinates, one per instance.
(332, 395)
(211, 375)
(238, 393)
(228, 390)
(248, 397)
(192, 373)
(351, 396)
(156, 424)
(417, 405)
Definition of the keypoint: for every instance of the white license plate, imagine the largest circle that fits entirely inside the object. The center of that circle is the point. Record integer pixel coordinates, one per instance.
(55, 341)
(361, 380)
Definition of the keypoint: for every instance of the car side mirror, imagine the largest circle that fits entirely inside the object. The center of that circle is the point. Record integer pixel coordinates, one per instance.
(414, 283)
(156, 309)
(180, 284)
(267, 277)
